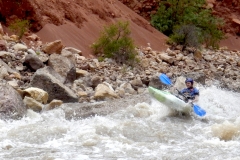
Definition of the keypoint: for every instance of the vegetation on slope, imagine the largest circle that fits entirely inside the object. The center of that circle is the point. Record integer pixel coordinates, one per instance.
(188, 23)
(115, 42)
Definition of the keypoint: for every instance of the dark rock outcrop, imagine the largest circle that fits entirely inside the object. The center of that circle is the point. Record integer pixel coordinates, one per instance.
(63, 66)
(56, 89)
(33, 62)
(11, 103)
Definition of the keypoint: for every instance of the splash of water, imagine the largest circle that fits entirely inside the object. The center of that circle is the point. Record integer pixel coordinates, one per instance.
(143, 131)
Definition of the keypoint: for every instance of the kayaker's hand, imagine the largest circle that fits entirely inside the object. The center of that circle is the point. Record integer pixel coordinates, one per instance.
(190, 101)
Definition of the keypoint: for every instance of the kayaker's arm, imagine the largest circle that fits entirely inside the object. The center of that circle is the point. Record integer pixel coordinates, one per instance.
(180, 93)
(195, 98)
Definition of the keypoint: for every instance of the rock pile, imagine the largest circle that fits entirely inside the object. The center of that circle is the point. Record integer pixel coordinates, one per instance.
(48, 75)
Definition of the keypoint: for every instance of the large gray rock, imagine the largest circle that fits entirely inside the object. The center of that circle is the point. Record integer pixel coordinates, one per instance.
(3, 64)
(96, 80)
(33, 62)
(11, 103)
(45, 80)
(63, 66)
(127, 87)
(69, 55)
(136, 83)
(156, 83)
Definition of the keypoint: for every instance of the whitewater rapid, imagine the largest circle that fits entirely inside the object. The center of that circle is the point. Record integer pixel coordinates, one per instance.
(145, 131)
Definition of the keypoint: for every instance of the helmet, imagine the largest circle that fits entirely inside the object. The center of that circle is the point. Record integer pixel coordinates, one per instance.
(189, 80)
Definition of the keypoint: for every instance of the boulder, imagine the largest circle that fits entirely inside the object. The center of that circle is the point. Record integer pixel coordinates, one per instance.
(81, 73)
(120, 92)
(42, 56)
(37, 94)
(170, 52)
(145, 63)
(104, 91)
(156, 83)
(179, 57)
(53, 104)
(95, 81)
(20, 47)
(31, 51)
(166, 58)
(190, 62)
(63, 66)
(33, 62)
(53, 47)
(82, 94)
(44, 78)
(127, 87)
(4, 54)
(69, 55)
(11, 104)
(33, 37)
(14, 38)
(208, 58)
(33, 104)
(9, 70)
(73, 50)
(86, 81)
(136, 83)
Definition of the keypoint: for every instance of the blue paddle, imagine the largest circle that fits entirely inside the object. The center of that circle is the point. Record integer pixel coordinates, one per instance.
(198, 110)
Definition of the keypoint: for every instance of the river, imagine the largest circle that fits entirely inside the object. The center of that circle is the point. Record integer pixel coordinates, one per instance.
(146, 131)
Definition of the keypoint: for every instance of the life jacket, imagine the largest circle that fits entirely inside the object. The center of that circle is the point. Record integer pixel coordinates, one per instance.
(190, 93)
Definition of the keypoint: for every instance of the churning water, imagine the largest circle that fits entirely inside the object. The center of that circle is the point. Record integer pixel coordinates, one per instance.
(141, 132)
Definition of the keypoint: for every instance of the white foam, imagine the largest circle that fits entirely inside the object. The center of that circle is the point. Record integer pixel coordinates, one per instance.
(142, 131)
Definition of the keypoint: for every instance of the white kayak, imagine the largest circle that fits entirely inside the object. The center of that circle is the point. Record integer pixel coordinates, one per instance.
(170, 100)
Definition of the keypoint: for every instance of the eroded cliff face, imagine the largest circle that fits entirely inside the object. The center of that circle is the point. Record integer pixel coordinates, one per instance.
(58, 12)
(145, 8)
(230, 12)
(78, 23)
(21, 9)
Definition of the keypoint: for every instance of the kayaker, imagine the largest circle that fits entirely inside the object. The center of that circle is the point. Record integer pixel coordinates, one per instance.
(190, 93)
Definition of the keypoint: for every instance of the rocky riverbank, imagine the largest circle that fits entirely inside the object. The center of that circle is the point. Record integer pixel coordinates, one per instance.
(48, 75)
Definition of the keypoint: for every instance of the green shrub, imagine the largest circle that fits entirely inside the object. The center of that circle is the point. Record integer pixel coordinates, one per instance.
(19, 27)
(175, 17)
(115, 42)
(186, 35)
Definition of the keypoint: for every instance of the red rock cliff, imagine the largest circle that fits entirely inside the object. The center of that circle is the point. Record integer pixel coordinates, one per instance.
(78, 23)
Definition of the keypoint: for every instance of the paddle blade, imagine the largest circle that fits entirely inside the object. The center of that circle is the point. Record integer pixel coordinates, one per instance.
(199, 111)
(164, 79)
